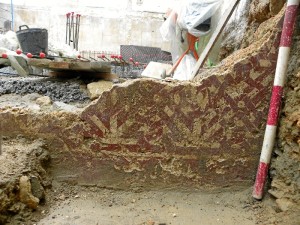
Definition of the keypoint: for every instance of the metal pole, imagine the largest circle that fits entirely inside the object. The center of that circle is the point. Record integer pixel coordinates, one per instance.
(73, 31)
(70, 27)
(12, 14)
(67, 25)
(76, 35)
(275, 103)
(78, 26)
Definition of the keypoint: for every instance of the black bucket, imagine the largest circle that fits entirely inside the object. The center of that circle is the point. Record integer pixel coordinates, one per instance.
(33, 40)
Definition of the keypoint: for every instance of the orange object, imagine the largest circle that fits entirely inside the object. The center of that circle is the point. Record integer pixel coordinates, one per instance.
(191, 41)
(191, 47)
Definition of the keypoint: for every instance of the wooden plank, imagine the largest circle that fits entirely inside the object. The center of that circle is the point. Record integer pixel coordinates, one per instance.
(214, 37)
(59, 65)
(91, 66)
(41, 63)
(72, 66)
(83, 74)
(101, 66)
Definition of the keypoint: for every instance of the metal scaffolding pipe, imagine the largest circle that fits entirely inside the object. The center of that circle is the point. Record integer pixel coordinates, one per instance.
(12, 14)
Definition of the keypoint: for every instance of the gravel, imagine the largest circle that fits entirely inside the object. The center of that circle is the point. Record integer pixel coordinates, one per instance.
(8, 70)
(66, 91)
(63, 90)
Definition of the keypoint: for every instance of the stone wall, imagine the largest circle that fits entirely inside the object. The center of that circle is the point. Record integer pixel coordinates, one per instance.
(165, 134)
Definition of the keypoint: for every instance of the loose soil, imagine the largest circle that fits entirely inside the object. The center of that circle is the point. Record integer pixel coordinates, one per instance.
(106, 207)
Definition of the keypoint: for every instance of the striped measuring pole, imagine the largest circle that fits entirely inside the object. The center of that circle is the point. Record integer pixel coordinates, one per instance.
(277, 91)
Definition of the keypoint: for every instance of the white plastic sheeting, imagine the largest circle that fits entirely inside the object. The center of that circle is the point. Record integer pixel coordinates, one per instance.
(9, 41)
(183, 19)
(171, 32)
(62, 50)
(195, 12)
(185, 68)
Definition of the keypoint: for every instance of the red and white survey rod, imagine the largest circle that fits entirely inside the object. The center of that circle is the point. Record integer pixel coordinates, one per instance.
(280, 74)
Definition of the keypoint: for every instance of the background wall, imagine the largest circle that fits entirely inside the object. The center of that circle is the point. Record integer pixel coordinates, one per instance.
(105, 24)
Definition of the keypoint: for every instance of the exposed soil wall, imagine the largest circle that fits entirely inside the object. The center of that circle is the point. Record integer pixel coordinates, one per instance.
(242, 30)
(260, 11)
(285, 173)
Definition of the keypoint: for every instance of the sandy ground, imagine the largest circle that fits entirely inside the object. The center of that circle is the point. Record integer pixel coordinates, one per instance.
(107, 207)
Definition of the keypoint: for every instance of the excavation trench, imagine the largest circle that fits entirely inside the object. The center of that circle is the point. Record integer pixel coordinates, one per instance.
(141, 135)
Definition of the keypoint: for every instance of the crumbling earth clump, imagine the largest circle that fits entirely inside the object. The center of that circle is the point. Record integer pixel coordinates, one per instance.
(23, 178)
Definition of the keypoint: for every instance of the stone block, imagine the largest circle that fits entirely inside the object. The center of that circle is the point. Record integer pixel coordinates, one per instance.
(95, 89)
(44, 101)
(26, 196)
